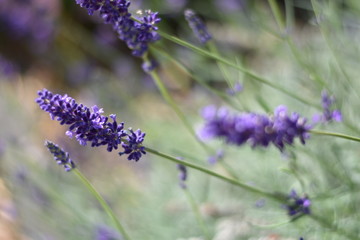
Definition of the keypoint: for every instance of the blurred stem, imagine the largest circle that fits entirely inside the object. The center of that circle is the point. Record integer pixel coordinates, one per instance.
(102, 202)
(216, 175)
(277, 14)
(236, 66)
(164, 92)
(213, 49)
(324, 33)
(195, 209)
(325, 223)
(334, 134)
(166, 95)
(181, 66)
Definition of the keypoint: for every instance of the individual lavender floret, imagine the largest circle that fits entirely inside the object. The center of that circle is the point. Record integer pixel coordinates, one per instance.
(90, 126)
(197, 25)
(328, 113)
(61, 157)
(136, 32)
(182, 175)
(132, 145)
(298, 205)
(255, 129)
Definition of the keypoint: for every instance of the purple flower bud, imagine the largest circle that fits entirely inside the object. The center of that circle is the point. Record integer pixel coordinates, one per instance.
(61, 157)
(329, 114)
(197, 26)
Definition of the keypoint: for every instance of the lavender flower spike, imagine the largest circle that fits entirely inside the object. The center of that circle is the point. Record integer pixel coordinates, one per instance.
(90, 126)
(60, 156)
(198, 26)
(136, 32)
(255, 129)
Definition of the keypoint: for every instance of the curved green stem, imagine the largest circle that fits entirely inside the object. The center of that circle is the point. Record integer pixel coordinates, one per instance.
(236, 66)
(102, 202)
(333, 134)
(216, 175)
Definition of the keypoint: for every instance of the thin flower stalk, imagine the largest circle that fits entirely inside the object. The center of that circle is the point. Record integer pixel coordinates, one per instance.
(236, 66)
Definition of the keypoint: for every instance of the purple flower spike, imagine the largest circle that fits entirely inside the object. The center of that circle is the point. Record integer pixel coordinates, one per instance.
(297, 205)
(61, 157)
(197, 26)
(136, 34)
(90, 126)
(255, 129)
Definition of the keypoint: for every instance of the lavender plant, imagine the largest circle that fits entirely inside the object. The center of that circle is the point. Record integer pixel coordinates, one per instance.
(299, 188)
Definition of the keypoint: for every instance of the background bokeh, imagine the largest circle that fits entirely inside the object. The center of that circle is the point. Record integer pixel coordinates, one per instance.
(54, 44)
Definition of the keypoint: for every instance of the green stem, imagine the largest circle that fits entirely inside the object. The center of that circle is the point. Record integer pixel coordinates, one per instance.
(225, 97)
(216, 175)
(165, 94)
(236, 66)
(195, 209)
(102, 202)
(277, 14)
(333, 134)
(324, 33)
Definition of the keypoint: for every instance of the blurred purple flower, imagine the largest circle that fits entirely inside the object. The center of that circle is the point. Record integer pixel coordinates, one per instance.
(328, 114)
(255, 129)
(91, 126)
(182, 175)
(136, 32)
(106, 233)
(218, 156)
(297, 205)
(7, 68)
(198, 26)
(238, 87)
(29, 19)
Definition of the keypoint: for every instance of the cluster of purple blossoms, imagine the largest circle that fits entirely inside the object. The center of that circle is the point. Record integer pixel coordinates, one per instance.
(328, 114)
(90, 125)
(297, 205)
(60, 156)
(137, 33)
(197, 26)
(256, 129)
